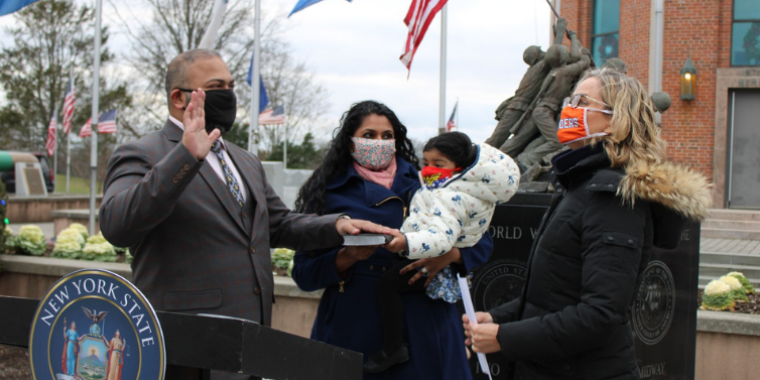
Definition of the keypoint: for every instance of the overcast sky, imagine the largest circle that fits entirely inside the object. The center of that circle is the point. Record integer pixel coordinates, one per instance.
(353, 49)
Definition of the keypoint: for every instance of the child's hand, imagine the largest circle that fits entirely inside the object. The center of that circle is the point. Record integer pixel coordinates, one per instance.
(398, 243)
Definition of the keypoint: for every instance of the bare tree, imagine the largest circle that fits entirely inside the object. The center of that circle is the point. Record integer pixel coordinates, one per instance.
(176, 26)
(53, 37)
(290, 85)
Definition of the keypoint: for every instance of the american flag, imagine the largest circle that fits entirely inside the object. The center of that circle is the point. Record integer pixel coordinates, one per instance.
(420, 14)
(86, 130)
(50, 144)
(68, 107)
(107, 122)
(272, 116)
(452, 124)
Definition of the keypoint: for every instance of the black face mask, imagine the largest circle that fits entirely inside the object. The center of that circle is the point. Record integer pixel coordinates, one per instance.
(220, 109)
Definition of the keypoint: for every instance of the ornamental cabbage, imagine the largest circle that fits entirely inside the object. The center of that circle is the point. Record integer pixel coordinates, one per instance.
(737, 290)
(6, 239)
(67, 250)
(744, 281)
(99, 249)
(282, 257)
(81, 228)
(30, 240)
(68, 244)
(71, 235)
(97, 239)
(717, 296)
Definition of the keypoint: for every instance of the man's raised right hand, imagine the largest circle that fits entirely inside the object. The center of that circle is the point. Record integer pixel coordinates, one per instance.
(197, 141)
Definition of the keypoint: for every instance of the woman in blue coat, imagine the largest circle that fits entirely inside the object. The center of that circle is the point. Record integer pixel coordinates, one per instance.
(370, 172)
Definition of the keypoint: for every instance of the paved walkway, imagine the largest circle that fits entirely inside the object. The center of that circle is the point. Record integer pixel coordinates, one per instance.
(750, 247)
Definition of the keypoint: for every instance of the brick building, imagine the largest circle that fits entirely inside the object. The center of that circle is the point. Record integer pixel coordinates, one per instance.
(718, 132)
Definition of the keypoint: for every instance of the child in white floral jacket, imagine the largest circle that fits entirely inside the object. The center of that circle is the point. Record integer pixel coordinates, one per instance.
(461, 184)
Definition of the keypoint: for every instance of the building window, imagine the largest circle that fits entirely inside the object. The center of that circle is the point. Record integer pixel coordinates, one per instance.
(606, 33)
(745, 38)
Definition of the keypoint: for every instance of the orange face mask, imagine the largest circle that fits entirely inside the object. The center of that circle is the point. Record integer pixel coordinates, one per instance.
(573, 125)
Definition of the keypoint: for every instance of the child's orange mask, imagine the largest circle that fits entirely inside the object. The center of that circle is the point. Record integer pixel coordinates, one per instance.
(573, 125)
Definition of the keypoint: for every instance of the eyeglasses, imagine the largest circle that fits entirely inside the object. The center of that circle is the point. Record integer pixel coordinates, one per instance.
(576, 99)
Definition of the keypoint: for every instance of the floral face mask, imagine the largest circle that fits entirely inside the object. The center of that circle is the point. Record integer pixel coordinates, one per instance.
(373, 154)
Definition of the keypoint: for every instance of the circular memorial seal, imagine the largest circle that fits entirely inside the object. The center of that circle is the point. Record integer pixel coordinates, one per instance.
(497, 283)
(654, 304)
(95, 325)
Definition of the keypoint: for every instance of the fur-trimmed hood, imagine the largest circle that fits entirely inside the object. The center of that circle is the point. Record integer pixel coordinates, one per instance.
(674, 192)
(674, 186)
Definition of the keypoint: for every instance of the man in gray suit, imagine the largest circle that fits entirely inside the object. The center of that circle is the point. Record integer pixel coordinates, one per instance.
(197, 212)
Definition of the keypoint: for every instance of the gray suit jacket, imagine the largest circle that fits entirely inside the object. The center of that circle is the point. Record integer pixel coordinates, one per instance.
(195, 249)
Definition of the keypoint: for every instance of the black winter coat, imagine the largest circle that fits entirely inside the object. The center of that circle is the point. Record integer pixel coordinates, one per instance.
(572, 320)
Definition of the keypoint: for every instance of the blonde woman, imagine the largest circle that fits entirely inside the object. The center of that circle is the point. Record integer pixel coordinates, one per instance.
(616, 198)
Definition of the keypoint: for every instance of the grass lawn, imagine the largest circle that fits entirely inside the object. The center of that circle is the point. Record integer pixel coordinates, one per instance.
(77, 185)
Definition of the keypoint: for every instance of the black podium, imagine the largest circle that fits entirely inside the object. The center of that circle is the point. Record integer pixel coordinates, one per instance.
(196, 344)
(664, 307)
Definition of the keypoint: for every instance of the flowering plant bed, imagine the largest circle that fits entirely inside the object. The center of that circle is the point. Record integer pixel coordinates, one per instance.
(282, 261)
(752, 306)
(72, 243)
(732, 292)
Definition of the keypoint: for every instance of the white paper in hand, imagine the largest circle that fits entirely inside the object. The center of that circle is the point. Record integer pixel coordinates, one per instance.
(470, 309)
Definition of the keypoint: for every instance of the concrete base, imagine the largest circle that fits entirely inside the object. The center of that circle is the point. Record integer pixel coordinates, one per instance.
(726, 356)
(727, 343)
(25, 276)
(39, 209)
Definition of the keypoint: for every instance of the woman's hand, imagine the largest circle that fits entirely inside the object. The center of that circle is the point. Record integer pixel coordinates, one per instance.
(485, 338)
(433, 265)
(482, 317)
(348, 256)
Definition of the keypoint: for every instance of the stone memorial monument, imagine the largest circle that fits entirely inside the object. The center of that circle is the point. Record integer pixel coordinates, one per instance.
(663, 312)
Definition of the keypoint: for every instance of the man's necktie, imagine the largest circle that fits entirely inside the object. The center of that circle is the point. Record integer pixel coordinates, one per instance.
(232, 183)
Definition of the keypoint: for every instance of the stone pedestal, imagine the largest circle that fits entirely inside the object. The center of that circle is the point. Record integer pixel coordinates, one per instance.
(664, 307)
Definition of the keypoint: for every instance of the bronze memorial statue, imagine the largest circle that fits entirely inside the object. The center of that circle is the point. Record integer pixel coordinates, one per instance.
(527, 121)
(511, 110)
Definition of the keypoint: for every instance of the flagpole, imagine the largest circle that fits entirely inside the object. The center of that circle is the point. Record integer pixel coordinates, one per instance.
(285, 152)
(94, 125)
(458, 112)
(55, 149)
(442, 94)
(253, 128)
(68, 135)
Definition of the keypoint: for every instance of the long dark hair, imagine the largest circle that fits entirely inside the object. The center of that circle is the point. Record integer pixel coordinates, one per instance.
(311, 197)
(456, 146)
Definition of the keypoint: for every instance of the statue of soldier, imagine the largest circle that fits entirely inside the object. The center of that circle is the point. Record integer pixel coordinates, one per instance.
(511, 110)
(616, 64)
(556, 87)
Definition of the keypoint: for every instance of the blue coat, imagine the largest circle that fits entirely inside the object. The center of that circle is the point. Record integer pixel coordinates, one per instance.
(348, 314)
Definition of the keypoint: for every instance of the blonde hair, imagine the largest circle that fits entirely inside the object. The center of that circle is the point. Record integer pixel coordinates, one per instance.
(634, 134)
